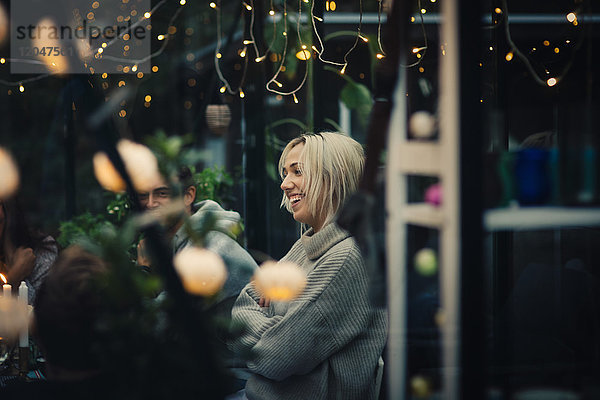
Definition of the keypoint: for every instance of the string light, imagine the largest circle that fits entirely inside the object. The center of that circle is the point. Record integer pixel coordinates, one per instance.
(379, 9)
(2, 60)
(258, 57)
(420, 56)
(514, 49)
(281, 66)
(213, 4)
(571, 17)
(21, 88)
(147, 15)
(322, 47)
(226, 87)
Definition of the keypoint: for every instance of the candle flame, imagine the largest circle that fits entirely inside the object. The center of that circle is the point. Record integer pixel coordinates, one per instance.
(3, 278)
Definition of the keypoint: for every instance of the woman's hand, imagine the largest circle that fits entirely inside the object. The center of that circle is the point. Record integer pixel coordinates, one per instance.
(264, 301)
(22, 263)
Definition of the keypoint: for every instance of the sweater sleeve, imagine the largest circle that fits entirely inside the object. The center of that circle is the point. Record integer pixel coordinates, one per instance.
(246, 311)
(45, 256)
(332, 311)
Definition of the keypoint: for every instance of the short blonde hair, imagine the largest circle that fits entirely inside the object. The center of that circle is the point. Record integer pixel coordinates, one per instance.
(332, 165)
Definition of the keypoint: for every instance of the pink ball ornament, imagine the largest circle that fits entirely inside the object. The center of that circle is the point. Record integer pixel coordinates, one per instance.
(433, 195)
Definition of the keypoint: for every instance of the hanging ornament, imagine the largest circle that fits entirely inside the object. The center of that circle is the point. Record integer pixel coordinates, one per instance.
(433, 195)
(218, 118)
(426, 262)
(421, 125)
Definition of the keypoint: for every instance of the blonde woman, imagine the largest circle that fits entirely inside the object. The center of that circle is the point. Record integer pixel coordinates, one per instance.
(326, 343)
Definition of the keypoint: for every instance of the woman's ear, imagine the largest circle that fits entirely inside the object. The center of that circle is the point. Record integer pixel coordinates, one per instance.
(189, 196)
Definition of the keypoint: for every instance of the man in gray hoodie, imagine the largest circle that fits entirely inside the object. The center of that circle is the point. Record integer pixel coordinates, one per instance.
(221, 238)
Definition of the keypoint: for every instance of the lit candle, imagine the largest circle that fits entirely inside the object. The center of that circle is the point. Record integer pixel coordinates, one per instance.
(23, 299)
(6, 288)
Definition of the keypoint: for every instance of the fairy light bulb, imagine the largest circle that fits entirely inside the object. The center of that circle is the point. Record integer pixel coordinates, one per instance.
(278, 83)
(100, 50)
(182, 2)
(248, 6)
(343, 70)
(295, 98)
(571, 17)
(223, 89)
(160, 37)
(379, 56)
(242, 94)
(247, 42)
(213, 4)
(243, 53)
(21, 88)
(551, 82)
(218, 55)
(318, 18)
(509, 56)
(364, 38)
(2, 60)
(259, 59)
(271, 13)
(147, 15)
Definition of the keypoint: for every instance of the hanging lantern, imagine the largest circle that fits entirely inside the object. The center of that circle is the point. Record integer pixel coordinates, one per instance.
(218, 118)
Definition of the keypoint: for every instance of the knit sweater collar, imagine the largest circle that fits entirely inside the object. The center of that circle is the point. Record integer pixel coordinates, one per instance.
(316, 244)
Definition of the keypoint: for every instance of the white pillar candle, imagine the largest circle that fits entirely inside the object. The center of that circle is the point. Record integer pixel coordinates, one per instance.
(24, 299)
(6, 289)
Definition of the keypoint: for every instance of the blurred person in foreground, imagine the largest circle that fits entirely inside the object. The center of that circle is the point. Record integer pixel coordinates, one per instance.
(326, 343)
(65, 314)
(220, 239)
(25, 255)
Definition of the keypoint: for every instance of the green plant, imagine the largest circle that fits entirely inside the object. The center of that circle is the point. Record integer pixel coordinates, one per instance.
(215, 184)
(86, 225)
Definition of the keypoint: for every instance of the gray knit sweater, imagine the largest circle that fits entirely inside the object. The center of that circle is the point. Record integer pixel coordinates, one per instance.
(326, 343)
